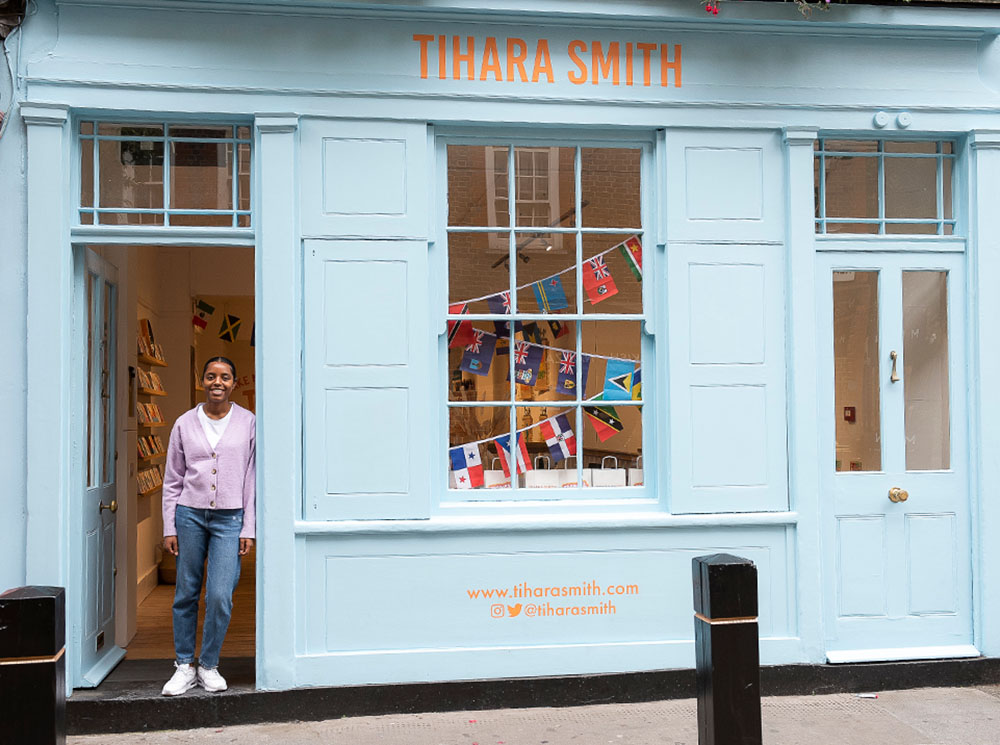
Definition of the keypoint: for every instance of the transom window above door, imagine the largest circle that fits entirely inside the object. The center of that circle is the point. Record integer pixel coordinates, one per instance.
(884, 187)
(545, 320)
(191, 175)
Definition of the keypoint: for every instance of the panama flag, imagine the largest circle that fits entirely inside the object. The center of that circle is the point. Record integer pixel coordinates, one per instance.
(632, 251)
(503, 450)
(566, 384)
(618, 380)
(597, 280)
(467, 466)
(460, 333)
(479, 354)
(559, 437)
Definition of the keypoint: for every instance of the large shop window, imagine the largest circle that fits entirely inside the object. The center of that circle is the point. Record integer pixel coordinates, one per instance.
(193, 175)
(884, 187)
(545, 321)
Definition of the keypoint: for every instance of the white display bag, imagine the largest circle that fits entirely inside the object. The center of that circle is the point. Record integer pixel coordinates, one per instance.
(542, 477)
(567, 474)
(494, 478)
(605, 476)
(635, 474)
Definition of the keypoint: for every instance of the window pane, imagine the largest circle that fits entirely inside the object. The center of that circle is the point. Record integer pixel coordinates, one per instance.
(870, 228)
(478, 269)
(614, 349)
(479, 370)
(477, 186)
(543, 364)
(473, 462)
(911, 229)
(911, 188)
(131, 174)
(610, 187)
(925, 370)
(91, 300)
(946, 166)
(201, 177)
(545, 273)
(911, 147)
(612, 266)
(108, 384)
(244, 173)
(850, 146)
(544, 180)
(856, 371)
(851, 187)
(612, 445)
(86, 173)
(86, 128)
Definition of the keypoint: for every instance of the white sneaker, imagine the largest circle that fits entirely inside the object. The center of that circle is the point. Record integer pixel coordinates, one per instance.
(210, 680)
(182, 680)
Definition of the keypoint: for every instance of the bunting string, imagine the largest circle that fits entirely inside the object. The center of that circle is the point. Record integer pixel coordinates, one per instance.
(557, 274)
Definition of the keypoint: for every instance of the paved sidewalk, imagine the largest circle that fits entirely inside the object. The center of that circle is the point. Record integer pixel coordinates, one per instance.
(926, 716)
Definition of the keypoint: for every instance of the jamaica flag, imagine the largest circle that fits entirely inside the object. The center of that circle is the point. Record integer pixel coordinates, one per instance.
(230, 328)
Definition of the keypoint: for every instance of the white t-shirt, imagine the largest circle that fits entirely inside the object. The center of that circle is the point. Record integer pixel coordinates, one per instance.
(213, 428)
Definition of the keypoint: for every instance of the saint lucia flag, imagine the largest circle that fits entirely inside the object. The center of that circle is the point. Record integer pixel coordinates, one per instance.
(618, 380)
(467, 466)
(479, 354)
(503, 450)
(230, 328)
(559, 437)
(632, 251)
(550, 294)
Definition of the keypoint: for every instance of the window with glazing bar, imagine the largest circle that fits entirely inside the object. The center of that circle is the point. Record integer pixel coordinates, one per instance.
(545, 320)
(884, 187)
(192, 175)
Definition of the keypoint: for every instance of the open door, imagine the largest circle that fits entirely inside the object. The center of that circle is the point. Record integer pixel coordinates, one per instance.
(99, 651)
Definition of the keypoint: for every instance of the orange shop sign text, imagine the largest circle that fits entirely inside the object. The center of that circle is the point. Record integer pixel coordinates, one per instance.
(512, 60)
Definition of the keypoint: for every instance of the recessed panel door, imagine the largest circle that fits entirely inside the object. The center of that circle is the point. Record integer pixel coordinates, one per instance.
(895, 484)
(99, 653)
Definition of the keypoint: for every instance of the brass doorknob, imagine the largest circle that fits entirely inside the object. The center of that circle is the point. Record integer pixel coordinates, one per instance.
(113, 506)
(898, 495)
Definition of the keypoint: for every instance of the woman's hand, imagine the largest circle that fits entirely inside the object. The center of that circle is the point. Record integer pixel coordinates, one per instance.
(170, 544)
(245, 545)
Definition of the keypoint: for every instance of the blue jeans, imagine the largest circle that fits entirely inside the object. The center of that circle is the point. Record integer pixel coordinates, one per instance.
(215, 534)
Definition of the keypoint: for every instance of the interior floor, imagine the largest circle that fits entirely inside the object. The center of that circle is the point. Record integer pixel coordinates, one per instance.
(154, 639)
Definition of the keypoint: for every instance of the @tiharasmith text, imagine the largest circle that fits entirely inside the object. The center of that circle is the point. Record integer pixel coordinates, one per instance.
(526, 591)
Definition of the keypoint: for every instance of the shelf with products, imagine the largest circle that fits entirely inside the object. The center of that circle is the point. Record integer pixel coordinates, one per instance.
(151, 450)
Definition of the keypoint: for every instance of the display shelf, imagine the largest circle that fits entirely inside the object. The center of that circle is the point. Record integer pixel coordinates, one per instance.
(151, 491)
(154, 458)
(152, 425)
(147, 360)
(151, 392)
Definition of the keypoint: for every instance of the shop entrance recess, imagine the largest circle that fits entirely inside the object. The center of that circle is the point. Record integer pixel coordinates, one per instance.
(895, 494)
(99, 652)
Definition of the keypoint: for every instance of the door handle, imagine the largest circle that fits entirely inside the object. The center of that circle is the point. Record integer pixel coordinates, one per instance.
(113, 506)
(893, 376)
(898, 495)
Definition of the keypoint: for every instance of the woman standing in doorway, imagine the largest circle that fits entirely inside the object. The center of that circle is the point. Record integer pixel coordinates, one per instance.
(209, 489)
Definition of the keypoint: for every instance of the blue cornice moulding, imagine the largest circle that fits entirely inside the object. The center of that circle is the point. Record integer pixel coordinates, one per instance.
(849, 18)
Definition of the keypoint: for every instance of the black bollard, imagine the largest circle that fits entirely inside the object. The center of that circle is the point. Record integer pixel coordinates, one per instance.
(33, 666)
(726, 650)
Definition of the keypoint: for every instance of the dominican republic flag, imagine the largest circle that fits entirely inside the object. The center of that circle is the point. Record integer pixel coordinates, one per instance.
(550, 294)
(597, 280)
(559, 437)
(503, 450)
(632, 251)
(618, 380)
(527, 362)
(460, 333)
(479, 354)
(202, 312)
(467, 466)
(567, 373)
(499, 305)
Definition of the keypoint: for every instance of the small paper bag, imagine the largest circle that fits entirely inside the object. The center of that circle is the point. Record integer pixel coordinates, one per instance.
(605, 476)
(635, 474)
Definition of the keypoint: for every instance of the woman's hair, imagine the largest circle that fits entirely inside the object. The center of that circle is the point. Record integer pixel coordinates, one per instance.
(223, 360)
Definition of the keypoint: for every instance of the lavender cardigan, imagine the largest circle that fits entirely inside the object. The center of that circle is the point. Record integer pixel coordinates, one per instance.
(223, 479)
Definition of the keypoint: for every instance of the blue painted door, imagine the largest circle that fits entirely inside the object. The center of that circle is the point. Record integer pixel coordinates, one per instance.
(99, 653)
(895, 490)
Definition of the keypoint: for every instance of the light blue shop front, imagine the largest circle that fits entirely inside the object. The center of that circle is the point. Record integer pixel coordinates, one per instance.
(811, 315)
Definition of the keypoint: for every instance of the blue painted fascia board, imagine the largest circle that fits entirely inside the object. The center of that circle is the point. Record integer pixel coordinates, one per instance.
(779, 17)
